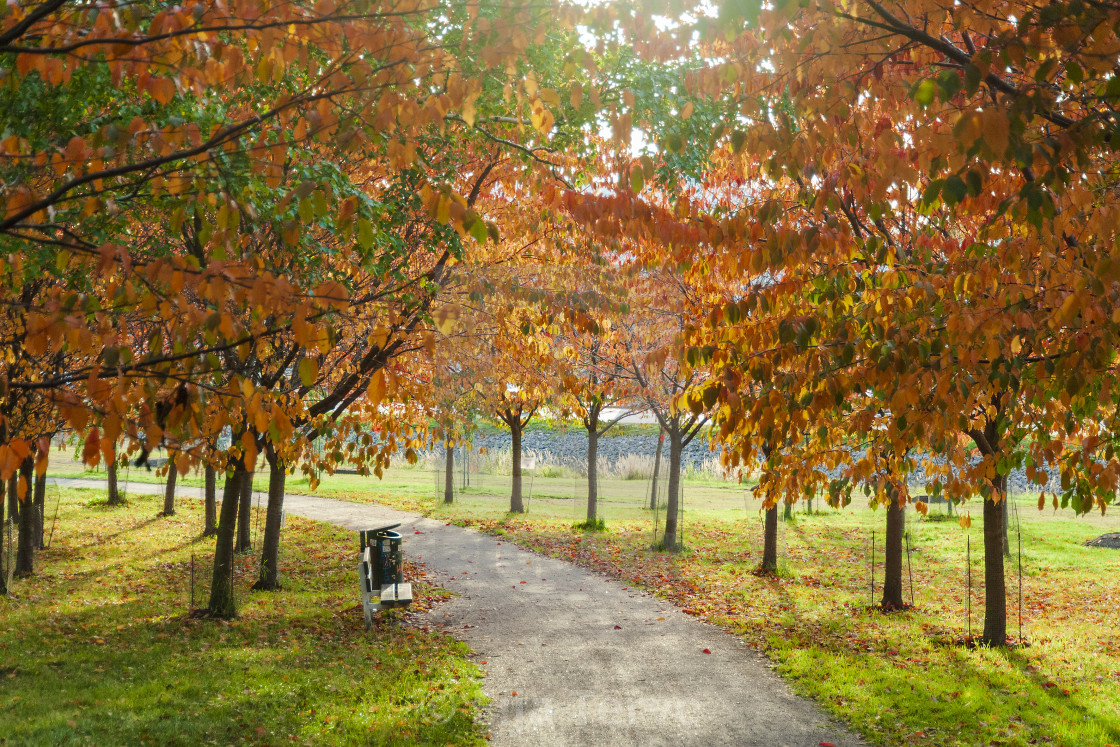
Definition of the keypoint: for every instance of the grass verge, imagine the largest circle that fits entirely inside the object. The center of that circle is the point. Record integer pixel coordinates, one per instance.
(900, 678)
(97, 646)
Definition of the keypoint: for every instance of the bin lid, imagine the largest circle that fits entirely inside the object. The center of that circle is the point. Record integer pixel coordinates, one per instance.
(381, 530)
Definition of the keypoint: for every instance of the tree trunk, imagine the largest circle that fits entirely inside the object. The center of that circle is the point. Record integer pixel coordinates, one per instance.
(13, 499)
(449, 473)
(114, 491)
(169, 488)
(25, 552)
(995, 584)
(892, 562)
(656, 470)
(269, 578)
(770, 540)
(669, 539)
(787, 513)
(221, 586)
(3, 541)
(40, 510)
(515, 504)
(592, 472)
(809, 507)
(245, 513)
(211, 501)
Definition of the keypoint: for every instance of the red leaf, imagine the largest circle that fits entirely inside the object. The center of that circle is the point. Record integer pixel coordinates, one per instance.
(706, 651)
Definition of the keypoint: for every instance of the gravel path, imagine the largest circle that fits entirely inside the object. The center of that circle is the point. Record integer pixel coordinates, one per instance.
(574, 658)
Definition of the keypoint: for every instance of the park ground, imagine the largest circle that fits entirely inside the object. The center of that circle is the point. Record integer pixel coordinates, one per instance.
(902, 678)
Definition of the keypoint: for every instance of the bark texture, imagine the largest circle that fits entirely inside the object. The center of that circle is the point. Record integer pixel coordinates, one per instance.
(40, 510)
(995, 581)
(516, 505)
(269, 577)
(892, 562)
(169, 488)
(593, 472)
(770, 540)
(210, 498)
(221, 603)
(449, 473)
(25, 550)
(244, 513)
(669, 540)
(115, 498)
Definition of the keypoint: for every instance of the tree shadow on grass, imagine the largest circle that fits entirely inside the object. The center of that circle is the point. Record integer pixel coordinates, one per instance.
(172, 681)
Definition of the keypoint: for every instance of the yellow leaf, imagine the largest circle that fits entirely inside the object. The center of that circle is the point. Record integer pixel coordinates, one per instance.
(376, 390)
(965, 521)
(995, 129)
(686, 110)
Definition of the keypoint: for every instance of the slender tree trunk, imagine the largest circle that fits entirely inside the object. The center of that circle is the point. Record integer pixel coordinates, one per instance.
(770, 540)
(656, 470)
(25, 553)
(211, 500)
(169, 488)
(449, 473)
(515, 504)
(221, 587)
(3, 542)
(892, 563)
(245, 513)
(13, 499)
(787, 513)
(669, 539)
(40, 510)
(995, 583)
(114, 491)
(269, 578)
(592, 472)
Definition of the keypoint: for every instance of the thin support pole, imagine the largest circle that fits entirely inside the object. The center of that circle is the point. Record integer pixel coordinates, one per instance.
(872, 567)
(968, 575)
(1019, 533)
(192, 584)
(909, 568)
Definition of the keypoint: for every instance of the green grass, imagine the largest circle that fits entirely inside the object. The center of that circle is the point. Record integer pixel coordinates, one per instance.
(97, 646)
(902, 678)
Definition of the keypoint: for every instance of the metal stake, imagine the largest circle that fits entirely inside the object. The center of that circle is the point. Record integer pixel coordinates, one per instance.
(909, 568)
(968, 572)
(872, 567)
(1019, 532)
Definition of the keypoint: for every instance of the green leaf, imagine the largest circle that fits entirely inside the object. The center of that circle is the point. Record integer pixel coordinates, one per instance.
(1074, 73)
(365, 233)
(308, 371)
(924, 92)
(954, 190)
(637, 180)
(971, 78)
(478, 230)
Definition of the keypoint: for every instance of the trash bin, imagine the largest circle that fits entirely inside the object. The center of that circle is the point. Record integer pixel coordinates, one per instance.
(385, 554)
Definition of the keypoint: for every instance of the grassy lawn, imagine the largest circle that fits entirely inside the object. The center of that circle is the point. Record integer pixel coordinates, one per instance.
(97, 646)
(902, 678)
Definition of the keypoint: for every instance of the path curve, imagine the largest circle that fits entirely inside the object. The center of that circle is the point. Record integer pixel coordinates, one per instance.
(591, 662)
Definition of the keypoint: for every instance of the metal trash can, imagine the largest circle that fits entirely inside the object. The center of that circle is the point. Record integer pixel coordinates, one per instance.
(385, 554)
